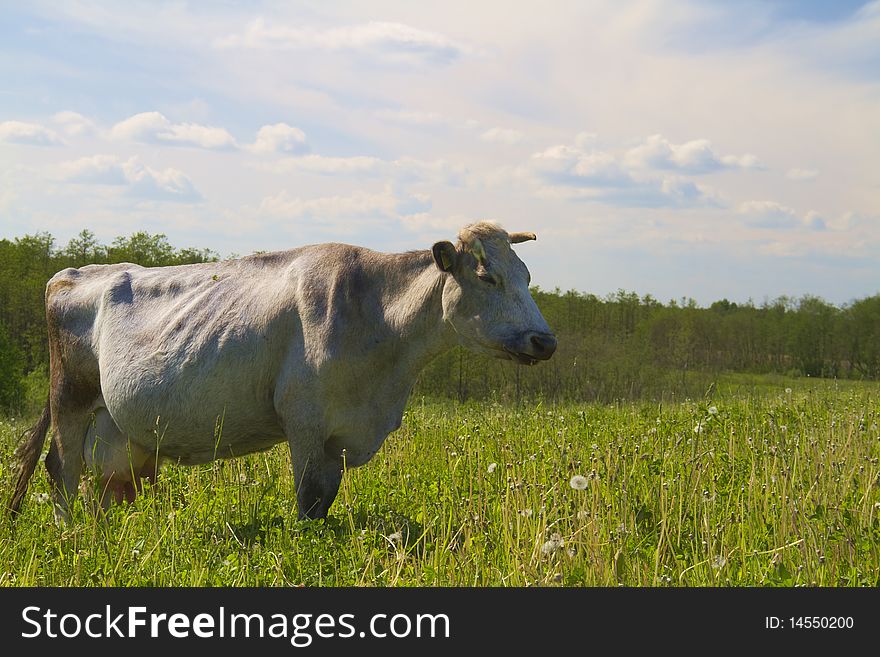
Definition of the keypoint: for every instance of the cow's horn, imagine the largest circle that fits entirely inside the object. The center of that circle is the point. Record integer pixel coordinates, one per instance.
(516, 238)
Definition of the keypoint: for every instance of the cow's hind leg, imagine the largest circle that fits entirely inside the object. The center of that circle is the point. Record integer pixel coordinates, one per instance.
(64, 461)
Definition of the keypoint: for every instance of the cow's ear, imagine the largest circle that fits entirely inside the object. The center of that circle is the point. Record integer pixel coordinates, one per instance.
(445, 255)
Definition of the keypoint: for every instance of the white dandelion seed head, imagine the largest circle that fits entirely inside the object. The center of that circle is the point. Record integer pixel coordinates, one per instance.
(698, 427)
(41, 498)
(491, 468)
(578, 482)
(719, 562)
(396, 537)
(788, 391)
(555, 542)
(713, 410)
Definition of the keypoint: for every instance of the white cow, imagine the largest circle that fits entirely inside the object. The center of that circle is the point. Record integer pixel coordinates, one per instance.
(319, 346)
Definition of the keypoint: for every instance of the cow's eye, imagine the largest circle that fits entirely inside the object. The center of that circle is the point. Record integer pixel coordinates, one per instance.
(487, 278)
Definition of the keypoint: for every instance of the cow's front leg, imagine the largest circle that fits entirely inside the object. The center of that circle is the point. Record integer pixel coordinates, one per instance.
(317, 474)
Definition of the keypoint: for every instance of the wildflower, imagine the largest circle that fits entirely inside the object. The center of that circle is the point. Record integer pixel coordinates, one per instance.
(396, 537)
(698, 428)
(788, 391)
(556, 542)
(578, 482)
(719, 562)
(491, 468)
(713, 410)
(41, 498)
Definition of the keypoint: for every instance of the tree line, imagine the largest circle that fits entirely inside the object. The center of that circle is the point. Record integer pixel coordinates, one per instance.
(612, 347)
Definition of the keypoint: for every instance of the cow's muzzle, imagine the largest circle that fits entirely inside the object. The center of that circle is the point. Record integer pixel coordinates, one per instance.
(533, 347)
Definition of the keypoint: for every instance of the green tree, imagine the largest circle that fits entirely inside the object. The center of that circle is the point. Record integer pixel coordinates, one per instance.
(11, 370)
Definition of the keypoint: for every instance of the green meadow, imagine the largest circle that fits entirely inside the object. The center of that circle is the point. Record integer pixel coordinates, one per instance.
(762, 480)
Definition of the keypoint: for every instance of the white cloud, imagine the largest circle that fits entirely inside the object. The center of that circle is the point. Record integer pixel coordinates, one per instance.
(385, 39)
(802, 174)
(74, 124)
(437, 172)
(336, 209)
(578, 173)
(404, 170)
(770, 214)
(160, 185)
(153, 127)
(32, 134)
(325, 165)
(502, 136)
(95, 170)
(565, 165)
(280, 138)
(140, 181)
(696, 156)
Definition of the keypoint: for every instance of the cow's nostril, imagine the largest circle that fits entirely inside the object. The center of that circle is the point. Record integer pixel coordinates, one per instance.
(543, 344)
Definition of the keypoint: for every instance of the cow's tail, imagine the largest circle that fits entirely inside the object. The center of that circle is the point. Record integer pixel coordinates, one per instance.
(27, 454)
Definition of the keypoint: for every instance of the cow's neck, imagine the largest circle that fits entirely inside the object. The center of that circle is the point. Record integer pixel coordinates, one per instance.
(414, 311)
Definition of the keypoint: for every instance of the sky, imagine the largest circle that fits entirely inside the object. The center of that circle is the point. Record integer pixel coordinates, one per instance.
(674, 148)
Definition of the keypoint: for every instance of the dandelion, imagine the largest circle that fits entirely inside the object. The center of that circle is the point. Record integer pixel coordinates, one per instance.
(554, 543)
(396, 537)
(719, 562)
(41, 498)
(713, 410)
(491, 468)
(578, 482)
(698, 428)
(788, 391)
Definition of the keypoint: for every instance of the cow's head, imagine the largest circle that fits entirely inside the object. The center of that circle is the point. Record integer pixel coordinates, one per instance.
(486, 296)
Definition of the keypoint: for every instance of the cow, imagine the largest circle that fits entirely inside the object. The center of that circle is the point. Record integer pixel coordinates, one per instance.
(318, 346)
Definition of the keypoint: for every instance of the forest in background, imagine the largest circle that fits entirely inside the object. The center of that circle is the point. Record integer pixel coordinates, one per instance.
(620, 346)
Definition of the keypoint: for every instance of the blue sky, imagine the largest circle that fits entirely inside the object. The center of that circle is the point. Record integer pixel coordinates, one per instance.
(705, 149)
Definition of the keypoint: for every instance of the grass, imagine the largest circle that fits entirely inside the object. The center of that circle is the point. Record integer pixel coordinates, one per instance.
(763, 482)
